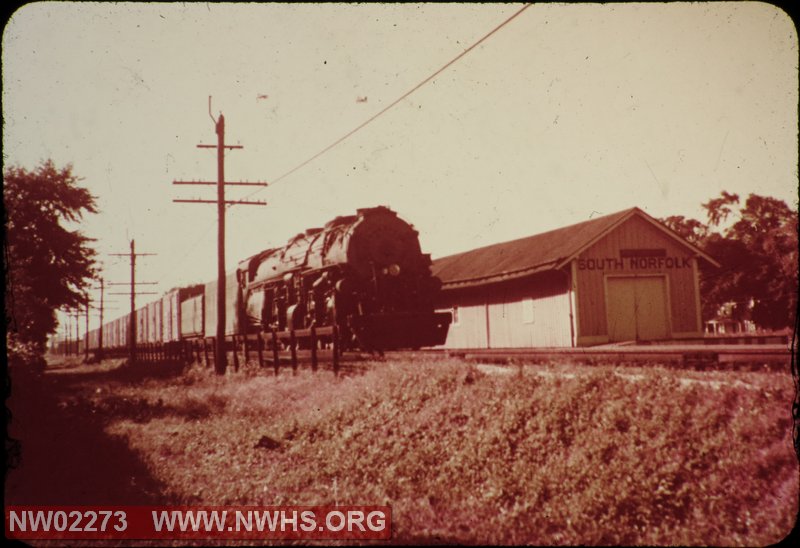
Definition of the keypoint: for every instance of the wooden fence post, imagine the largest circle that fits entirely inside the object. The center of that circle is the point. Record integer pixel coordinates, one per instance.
(235, 353)
(275, 362)
(335, 345)
(293, 348)
(260, 347)
(313, 347)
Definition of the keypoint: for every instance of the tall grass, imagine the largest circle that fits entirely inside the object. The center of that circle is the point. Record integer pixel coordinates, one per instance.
(600, 456)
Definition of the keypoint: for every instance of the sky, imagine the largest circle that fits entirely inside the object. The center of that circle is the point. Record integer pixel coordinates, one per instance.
(564, 113)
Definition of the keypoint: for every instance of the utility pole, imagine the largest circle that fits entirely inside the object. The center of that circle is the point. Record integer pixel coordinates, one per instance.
(86, 334)
(67, 333)
(70, 338)
(101, 313)
(133, 283)
(76, 315)
(100, 332)
(132, 342)
(91, 304)
(220, 355)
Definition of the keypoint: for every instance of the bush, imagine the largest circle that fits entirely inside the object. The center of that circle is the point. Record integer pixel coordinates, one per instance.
(25, 356)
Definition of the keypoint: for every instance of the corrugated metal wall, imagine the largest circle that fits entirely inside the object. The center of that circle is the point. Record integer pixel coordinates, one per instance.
(232, 298)
(120, 332)
(166, 330)
(470, 329)
(124, 331)
(531, 322)
(529, 313)
(94, 339)
(191, 320)
(141, 326)
(154, 322)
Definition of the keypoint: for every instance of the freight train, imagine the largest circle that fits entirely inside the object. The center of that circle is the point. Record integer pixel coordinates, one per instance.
(365, 274)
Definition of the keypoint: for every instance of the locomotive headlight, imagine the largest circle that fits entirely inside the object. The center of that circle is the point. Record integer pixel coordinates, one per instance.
(394, 269)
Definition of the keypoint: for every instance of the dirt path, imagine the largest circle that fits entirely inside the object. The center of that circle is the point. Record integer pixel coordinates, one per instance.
(64, 454)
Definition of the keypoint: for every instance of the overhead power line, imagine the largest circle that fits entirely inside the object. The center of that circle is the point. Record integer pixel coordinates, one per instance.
(371, 119)
(396, 101)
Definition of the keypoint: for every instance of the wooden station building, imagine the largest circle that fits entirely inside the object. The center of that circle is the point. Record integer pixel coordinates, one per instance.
(620, 277)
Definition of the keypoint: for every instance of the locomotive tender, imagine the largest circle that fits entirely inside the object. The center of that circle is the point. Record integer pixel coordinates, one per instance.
(363, 273)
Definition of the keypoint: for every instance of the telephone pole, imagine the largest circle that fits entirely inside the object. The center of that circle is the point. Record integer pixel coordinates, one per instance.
(100, 310)
(133, 283)
(77, 315)
(91, 304)
(86, 334)
(70, 338)
(67, 332)
(100, 331)
(220, 356)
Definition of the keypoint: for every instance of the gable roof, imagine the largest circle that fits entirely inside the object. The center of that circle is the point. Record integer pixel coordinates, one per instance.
(550, 250)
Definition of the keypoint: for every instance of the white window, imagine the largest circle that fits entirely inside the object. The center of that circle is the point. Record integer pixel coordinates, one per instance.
(527, 311)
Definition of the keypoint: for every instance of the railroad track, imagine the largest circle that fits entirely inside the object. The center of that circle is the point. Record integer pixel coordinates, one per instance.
(691, 355)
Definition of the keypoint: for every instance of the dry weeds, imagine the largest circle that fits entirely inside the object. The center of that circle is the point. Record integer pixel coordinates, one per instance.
(545, 455)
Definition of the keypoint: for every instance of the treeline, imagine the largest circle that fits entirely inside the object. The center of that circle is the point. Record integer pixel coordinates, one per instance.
(756, 244)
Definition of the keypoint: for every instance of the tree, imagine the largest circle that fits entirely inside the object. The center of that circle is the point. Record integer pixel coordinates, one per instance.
(719, 209)
(47, 265)
(691, 230)
(758, 253)
(768, 229)
(730, 285)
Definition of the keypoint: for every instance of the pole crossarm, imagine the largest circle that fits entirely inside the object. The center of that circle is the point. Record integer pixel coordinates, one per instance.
(213, 183)
(131, 254)
(219, 146)
(137, 293)
(128, 283)
(234, 202)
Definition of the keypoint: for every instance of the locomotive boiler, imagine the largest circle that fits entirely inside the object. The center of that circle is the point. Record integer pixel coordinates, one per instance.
(361, 279)
(364, 273)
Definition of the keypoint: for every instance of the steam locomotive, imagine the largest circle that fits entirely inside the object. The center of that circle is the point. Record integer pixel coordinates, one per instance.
(363, 273)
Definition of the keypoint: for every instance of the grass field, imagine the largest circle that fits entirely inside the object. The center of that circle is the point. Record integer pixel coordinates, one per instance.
(463, 454)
